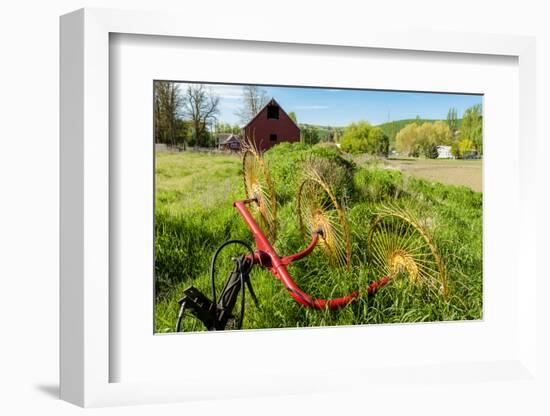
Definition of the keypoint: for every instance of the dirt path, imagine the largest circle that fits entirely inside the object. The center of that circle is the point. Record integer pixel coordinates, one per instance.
(452, 172)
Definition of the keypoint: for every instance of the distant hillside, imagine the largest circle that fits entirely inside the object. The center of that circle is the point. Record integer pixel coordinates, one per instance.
(391, 128)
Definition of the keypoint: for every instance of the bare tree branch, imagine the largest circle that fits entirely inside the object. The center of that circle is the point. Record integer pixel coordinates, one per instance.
(254, 99)
(200, 105)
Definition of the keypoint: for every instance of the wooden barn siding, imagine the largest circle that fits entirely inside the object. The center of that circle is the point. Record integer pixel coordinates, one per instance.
(261, 128)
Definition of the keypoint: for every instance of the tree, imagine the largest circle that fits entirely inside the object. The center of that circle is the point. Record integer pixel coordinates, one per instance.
(452, 120)
(254, 99)
(361, 137)
(422, 139)
(455, 150)
(168, 102)
(200, 105)
(378, 142)
(406, 140)
(293, 117)
(430, 151)
(330, 134)
(465, 146)
(472, 127)
(184, 130)
(462, 147)
(220, 128)
(356, 137)
(337, 134)
(309, 134)
(442, 133)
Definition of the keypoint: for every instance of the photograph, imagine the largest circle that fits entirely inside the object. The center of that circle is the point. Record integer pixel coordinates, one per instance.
(302, 206)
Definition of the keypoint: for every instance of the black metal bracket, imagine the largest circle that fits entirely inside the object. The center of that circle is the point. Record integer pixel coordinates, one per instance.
(196, 303)
(216, 316)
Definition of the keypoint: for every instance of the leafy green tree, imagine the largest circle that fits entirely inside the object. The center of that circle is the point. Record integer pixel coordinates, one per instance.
(455, 150)
(465, 146)
(220, 128)
(452, 120)
(462, 147)
(422, 139)
(432, 135)
(379, 143)
(330, 134)
(430, 151)
(356, 137)
(168, 102)
(406, 140)
(472, 127)
(184, 130)
(309, 134)
(293, 117)
(442, 133)
(362, 137)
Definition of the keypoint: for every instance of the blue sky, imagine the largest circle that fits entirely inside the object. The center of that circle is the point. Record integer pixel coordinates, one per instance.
(336, 107)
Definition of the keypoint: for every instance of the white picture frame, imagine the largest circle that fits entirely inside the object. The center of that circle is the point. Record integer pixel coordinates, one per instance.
(85, 352)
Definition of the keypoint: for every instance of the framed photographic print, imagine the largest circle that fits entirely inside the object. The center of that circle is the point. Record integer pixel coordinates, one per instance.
(279, 210)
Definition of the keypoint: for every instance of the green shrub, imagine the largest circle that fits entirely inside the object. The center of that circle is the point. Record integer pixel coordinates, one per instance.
(377, 185)
(287, 163)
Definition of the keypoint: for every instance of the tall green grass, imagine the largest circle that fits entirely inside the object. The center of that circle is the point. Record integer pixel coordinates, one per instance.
(194, 215)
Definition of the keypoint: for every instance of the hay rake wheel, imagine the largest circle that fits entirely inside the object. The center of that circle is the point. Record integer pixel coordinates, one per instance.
(398, 244)
(259, 188)
(320, 212)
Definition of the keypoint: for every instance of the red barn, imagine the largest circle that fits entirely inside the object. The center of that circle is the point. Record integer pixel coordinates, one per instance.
(271, 126)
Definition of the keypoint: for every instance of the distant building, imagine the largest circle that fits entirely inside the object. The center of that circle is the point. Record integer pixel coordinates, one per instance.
(229, 142)
(444, 152)
(270, 126)
(220, 138)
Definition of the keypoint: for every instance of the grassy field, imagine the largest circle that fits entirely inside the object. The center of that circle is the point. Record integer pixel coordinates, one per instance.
(194, 215)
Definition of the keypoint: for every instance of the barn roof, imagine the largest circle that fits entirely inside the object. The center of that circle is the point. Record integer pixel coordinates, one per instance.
(231, 138)
(223, 136)
(270, 102)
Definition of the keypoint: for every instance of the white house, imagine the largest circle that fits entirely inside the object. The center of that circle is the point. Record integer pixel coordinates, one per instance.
(444, 152)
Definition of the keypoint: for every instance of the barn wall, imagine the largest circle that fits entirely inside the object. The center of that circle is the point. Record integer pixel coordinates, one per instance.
(261, 128)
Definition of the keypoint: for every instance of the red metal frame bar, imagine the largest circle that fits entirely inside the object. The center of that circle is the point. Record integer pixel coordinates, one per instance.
(266, 256)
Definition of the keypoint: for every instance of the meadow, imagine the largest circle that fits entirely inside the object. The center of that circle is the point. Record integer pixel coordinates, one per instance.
(194, 215)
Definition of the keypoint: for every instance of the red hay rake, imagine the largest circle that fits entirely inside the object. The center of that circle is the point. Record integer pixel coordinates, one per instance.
(323, 223)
